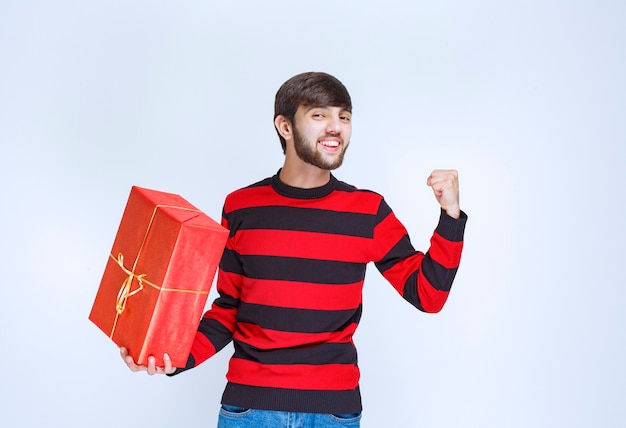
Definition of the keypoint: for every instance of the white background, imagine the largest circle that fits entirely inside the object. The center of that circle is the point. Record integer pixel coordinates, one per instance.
(526, 99)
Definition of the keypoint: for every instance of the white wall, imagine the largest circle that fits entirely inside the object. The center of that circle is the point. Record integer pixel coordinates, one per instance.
(525, 99)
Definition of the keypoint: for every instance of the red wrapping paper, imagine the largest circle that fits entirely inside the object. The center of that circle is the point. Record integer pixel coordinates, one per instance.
(158, 276)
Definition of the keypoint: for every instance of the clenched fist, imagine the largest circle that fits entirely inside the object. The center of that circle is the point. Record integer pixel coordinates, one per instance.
(445, 185)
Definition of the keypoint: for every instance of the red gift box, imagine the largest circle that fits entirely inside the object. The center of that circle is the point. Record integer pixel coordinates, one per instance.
(158, 276)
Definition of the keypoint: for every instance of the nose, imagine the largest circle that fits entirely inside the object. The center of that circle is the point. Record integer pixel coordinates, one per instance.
(334, 125)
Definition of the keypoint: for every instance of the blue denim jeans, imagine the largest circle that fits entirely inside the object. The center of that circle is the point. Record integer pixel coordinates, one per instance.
(236, 417)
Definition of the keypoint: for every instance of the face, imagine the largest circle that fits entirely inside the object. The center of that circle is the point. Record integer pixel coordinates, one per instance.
(322, 135)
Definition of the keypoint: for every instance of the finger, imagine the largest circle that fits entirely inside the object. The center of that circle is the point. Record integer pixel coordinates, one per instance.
(151, 365)
(435, 177)
(438, 184)
(129, 360)
(443, 179)
(167, 361)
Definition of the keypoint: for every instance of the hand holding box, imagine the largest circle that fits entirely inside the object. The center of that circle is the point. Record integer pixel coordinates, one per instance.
(158, 276)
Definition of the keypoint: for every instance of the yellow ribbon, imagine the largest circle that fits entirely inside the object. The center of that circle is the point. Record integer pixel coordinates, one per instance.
(125, 293)
(125, 290)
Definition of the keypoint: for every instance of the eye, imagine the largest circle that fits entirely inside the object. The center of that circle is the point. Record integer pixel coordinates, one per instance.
(346, 118)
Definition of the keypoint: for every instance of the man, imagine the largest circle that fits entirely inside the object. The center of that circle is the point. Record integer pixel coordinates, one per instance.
(291, 276)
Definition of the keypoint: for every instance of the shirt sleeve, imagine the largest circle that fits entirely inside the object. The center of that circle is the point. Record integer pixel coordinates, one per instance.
(218, 324)
(423, 279)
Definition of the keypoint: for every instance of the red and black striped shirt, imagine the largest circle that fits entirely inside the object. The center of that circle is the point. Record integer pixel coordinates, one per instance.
(290, 284)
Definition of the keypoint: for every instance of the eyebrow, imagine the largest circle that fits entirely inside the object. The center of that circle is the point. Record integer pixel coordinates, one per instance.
(343, 108)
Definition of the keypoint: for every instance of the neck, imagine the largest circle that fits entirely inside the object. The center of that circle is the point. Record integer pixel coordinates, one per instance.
(304, 176)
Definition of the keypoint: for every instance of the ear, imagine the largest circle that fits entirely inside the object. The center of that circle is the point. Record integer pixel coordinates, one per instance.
(283, 126)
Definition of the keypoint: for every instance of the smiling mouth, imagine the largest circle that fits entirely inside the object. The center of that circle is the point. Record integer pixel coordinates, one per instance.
(331, 144)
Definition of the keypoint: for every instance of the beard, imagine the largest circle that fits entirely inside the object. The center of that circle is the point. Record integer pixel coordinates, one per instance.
(307, 152)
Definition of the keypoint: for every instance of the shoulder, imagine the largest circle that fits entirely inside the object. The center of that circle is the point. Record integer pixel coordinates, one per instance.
(258, 185)
(247, 195)
(357, 192)
(353, 199)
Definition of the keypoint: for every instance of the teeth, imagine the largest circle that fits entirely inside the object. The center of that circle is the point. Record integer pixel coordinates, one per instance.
(330, 143)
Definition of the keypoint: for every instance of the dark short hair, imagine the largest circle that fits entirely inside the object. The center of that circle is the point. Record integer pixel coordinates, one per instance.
(309, 89)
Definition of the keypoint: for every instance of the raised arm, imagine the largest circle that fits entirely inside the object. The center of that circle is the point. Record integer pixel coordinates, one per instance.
(423, 279)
